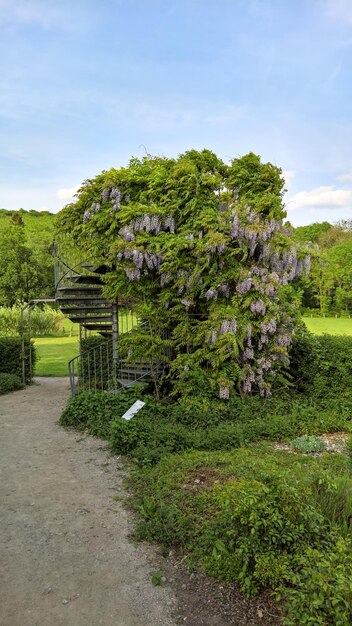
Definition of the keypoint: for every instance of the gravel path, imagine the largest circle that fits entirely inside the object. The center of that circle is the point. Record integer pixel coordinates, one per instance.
(64, 551)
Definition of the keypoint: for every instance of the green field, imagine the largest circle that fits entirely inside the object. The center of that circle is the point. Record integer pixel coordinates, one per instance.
(54, 353)
(329, 325)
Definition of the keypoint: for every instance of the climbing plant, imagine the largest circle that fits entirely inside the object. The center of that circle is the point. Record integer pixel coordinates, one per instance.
(202, 250)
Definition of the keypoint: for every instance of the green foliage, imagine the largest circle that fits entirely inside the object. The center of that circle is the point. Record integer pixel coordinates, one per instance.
(319, 591)
(158, 430)
(308, 443)
(88, 343)
(11, 356)
(9, 382)
(44, 321)
(157, 578)
(248, 515)
(96, 411)
(321, 366)
(334, 497)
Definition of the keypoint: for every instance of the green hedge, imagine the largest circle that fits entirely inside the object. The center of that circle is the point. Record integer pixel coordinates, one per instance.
(9, 382)
(321, 365)
(11, 356)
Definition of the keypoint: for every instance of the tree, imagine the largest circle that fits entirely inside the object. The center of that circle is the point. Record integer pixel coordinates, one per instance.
(202, 250)
(19, 274)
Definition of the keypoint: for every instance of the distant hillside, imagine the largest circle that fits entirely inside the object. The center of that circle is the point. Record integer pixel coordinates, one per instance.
(39, 226)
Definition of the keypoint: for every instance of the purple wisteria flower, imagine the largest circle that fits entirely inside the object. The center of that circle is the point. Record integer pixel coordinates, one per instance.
(269, 327)
(169, 224)
(105, 194)
(244, 286)
(224, 393)
(258, 306)
(225, 290)
(86, 216)
(228, 326)
(132, 273)
(186, 303)
(248, 354)
(211, 294)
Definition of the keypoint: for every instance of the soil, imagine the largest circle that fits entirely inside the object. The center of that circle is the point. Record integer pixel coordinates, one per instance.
(65, 553)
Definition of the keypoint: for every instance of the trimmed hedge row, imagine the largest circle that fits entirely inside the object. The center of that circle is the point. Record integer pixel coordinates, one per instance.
(11, 356)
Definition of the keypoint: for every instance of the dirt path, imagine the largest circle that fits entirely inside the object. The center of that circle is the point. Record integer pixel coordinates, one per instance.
(64, 550)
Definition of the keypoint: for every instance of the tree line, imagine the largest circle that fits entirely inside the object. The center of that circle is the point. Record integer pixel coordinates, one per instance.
(328, 288)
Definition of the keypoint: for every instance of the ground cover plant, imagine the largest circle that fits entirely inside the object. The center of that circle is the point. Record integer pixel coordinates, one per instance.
(256, 517)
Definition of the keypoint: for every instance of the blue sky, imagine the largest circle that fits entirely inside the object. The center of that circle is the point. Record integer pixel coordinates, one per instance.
(86, 84)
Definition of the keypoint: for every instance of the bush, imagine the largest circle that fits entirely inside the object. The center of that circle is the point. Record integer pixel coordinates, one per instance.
(321, 365)
(252, 516)
(11, 356)
(319, 591)
(9, 382)
(44, 322)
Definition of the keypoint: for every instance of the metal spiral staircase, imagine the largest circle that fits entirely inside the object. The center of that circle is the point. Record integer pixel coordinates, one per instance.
(80, 297)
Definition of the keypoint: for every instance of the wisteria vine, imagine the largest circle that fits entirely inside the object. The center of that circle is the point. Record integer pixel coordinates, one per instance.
(225, 257)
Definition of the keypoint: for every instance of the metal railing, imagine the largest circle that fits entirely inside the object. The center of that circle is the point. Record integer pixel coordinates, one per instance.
(95, 370)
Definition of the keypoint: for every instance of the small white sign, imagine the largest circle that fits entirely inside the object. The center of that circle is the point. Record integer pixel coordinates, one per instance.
(137, 406)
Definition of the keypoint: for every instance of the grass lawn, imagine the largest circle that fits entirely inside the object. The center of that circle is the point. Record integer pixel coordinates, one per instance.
(329, 325)
(54, 353)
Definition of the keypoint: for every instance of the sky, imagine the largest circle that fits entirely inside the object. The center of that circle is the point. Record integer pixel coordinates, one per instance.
(87, 84)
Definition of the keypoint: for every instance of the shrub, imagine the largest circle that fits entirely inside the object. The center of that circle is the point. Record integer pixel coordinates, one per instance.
(44, 321)
(334, 372)
(9, 382)
(321, 365)
(308, 443)
(319, 590)
(11, 356)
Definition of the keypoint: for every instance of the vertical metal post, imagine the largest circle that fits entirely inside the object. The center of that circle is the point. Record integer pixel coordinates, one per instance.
(23, 350)
(30, 345)
(115, 336)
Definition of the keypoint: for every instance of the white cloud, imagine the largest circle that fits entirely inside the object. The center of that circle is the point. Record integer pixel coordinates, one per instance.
(345, 177)
(67, 193)
(288, 176)
(322, 198)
